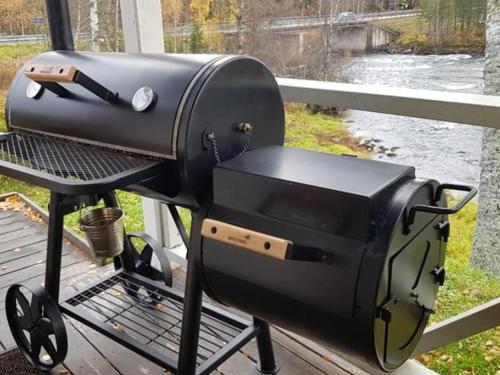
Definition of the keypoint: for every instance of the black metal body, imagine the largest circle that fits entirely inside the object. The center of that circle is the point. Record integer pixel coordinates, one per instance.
(195, 95)
(373, 292)
(60, 25)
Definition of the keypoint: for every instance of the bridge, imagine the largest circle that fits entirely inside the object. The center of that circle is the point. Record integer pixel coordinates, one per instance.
(287, 24)
(357, 32)
(354, 32)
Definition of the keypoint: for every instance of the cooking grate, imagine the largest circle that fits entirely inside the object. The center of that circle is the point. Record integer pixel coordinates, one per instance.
(65, 159)
(71, 168)
(156, 323)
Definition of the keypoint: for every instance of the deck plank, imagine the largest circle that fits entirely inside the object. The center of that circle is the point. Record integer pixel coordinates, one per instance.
(22, 251)
(22, 242)
(83, 357)
(5, 220)
(30, 269)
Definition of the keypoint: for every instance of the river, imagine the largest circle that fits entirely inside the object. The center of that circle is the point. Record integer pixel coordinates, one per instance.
(444, 151)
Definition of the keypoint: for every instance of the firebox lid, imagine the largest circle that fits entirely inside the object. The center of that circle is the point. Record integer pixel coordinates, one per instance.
(332, 172)
(330, 193)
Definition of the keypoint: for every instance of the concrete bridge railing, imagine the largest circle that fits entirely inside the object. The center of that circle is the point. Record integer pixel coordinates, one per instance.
(297, 23)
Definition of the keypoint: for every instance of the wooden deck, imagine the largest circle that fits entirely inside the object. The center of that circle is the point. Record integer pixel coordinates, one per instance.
(22, 259)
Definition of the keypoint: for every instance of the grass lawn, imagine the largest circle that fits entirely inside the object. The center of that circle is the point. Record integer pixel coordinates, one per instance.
(464, 288)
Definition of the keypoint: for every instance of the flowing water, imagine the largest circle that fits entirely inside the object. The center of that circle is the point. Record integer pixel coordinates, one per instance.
(444, 151)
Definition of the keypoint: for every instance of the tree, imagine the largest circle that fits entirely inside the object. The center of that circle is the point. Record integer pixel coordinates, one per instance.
(172, 12)
(486, 252)
(94, 26)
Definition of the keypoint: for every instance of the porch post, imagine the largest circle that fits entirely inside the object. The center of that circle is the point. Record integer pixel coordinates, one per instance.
(143, 33)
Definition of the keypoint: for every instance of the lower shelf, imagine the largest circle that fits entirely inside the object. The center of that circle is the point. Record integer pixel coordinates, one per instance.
(147, 318)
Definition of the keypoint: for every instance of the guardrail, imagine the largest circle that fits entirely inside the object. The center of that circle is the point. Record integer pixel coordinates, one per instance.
(14, 39)
(35, 38)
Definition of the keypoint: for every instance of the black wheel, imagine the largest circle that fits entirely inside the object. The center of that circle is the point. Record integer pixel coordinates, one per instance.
(37, 326)
(142, 255)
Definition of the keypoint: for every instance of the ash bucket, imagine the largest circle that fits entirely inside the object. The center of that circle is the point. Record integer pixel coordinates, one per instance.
(104, 230)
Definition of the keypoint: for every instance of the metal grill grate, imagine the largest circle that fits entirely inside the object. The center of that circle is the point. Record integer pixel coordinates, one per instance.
(63, 159)
(156, 323)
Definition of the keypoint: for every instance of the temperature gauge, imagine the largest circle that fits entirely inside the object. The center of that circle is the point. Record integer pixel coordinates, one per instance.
(34, 90)
(144, 99)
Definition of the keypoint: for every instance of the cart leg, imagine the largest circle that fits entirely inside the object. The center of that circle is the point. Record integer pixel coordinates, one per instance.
(54, 245)
(193, 300)
(190, 324)
(267, 363)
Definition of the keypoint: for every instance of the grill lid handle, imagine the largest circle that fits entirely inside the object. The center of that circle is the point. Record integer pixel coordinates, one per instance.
(261, 243)
(51, 76)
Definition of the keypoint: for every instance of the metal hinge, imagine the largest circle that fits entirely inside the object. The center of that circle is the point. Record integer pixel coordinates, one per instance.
(384, 312)
(444, 229)
(439, 275)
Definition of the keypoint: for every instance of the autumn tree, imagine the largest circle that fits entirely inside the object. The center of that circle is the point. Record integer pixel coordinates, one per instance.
(172, 14)
(16, 17)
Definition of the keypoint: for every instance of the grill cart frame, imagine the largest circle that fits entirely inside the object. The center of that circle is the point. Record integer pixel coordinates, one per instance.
(165, 303)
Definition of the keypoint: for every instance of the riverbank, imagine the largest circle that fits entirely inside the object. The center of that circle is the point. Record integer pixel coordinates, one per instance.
(417, 37)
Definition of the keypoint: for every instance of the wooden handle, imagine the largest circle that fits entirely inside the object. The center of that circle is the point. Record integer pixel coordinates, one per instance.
(246, 239)
(51, 73)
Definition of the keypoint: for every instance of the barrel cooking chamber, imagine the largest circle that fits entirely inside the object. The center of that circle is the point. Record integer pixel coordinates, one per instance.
(234, 98)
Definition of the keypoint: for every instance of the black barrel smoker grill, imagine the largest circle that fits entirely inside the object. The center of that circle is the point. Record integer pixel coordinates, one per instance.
(348, 252)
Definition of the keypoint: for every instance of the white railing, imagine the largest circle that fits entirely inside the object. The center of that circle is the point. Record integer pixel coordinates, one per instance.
(471, 109)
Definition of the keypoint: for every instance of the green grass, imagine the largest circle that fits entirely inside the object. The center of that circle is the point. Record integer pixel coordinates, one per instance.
(21, 51)
(465, 287)
(319, 132)
(404, 25)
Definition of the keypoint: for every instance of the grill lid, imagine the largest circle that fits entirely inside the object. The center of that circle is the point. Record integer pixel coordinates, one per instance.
(73, 106)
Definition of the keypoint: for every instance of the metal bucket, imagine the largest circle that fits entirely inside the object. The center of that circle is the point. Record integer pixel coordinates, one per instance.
(104, 230)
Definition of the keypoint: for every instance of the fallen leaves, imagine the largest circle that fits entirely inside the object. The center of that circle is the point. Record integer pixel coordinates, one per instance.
(15, 203)
(118, 326)
(475, 292)
(12, 203)
(423, 358)
(446, 358)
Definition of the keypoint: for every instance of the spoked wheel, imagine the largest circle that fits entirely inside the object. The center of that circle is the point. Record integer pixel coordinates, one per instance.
(144, 265)
(37, 326)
